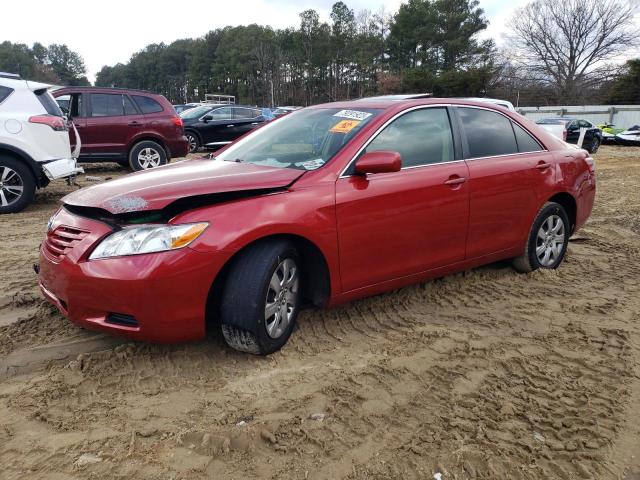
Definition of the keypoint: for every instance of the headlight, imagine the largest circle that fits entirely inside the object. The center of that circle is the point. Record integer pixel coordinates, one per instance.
(148, 239)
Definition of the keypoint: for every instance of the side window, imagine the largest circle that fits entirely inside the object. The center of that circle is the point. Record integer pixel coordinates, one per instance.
(106, 105)
(129, 107)
(244, 113)
(584, 124)
(422, 137)
(4, 93)
(71, 104)
(224, 113)
(64, 102)
(147, 105)
(488, 133)
(526, 143)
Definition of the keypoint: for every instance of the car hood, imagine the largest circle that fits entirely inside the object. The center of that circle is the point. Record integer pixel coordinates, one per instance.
(155, 189)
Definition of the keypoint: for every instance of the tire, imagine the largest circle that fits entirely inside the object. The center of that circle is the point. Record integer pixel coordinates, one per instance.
(258, 316)
(548, 240)
(595, 144)
(146, 155)
(17, 185)
(194, 142)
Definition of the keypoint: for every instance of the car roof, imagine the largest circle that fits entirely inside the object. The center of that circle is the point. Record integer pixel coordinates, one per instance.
(400, 102)
(104, 89)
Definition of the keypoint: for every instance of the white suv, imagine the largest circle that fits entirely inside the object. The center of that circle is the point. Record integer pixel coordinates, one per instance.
(34, 142)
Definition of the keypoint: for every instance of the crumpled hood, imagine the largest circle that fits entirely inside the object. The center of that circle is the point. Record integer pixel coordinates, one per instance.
(155, 189)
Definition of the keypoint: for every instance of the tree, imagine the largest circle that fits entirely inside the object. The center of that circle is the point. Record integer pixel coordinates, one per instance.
(67, 64)
(566, 44)
(626, 88)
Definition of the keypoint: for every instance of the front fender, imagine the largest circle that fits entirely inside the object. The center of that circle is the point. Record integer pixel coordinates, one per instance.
(306, 212)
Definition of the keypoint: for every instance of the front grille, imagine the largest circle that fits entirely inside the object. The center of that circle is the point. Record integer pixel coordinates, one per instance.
(61, 240)
(122, 319)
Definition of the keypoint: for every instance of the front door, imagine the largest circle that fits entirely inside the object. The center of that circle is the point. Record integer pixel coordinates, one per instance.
(216, 127)
(396, 224)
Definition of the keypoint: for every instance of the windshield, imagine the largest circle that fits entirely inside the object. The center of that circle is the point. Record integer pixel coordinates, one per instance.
(304, 140)
(196, 112)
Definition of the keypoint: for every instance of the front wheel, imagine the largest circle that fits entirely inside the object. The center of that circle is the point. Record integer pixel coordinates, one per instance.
(548, 240)
(17, 185)
(261, 298)
(146, 155)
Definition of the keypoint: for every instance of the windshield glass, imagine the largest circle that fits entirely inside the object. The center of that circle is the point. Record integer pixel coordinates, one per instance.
(304, 140)
(196, 112)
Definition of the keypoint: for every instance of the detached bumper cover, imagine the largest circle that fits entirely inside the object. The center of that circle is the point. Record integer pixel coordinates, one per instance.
(62, 168)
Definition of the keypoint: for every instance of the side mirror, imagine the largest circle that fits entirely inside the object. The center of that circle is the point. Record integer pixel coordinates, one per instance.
(207, 118)
(379, 162)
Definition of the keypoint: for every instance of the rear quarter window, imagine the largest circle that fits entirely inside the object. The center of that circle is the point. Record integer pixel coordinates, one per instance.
(147, 105)
(47, 101)
(4, 93)
(526, 143)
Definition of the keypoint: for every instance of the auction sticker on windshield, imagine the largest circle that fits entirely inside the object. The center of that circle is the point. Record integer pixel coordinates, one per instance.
(353, 114)
(344, 126)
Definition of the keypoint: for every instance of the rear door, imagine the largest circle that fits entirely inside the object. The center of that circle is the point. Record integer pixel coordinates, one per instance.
(509, 172)
(245, 120)
(111, 122)
(396, 224)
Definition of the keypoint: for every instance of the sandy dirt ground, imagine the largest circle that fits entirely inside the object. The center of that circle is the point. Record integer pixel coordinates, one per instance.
(484, 374)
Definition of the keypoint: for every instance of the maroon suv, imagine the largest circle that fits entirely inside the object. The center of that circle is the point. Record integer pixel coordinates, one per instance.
(135, 128)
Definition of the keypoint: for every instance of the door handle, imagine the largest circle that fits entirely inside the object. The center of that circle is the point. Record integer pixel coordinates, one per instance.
(543, 165)
(254, 123)
(229, 126)
(135, 124)
(455, 181)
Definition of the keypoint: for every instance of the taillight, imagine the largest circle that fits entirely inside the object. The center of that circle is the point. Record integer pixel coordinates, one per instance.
(57, 123)
(177, 121)
(564, 134)
(591, 164)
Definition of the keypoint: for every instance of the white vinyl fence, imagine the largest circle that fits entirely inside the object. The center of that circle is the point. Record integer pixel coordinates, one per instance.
(622, 116)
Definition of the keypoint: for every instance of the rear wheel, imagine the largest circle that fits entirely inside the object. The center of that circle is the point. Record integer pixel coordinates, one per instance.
(17, 185)
(548, 240)
(261, 298)
(194, 142)
(146, 155)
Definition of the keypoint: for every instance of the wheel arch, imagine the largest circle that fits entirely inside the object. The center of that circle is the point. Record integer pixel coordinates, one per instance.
(316, 286)
(568, 202)
(34, 167)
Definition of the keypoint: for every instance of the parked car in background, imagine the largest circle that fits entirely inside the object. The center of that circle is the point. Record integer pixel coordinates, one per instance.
(325, 205)
(34, 142)
(267, 113)
(280, 111)
(183, 108)
(214, 126)
(134, 128)
(571, 131)
(629, 137)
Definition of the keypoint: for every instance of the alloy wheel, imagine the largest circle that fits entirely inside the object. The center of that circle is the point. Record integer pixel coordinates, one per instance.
(550, 240)
(149, 158)
(282, 296)
(193, 143)
(11, 186)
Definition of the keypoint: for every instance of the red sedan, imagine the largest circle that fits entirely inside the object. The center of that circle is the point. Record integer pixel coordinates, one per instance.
(328, 204)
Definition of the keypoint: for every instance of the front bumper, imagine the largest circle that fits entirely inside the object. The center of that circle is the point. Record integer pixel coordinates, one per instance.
(61, 168)
(166, 293)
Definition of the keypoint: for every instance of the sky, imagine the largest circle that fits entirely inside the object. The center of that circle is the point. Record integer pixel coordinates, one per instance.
(119, 28)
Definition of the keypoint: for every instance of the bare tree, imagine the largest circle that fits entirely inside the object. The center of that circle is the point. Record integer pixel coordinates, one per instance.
(568, 44)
